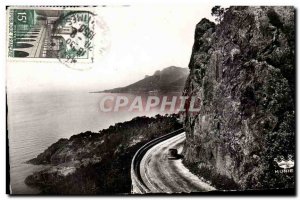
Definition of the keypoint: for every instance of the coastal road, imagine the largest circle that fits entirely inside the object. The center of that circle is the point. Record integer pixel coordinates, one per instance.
(158, 174)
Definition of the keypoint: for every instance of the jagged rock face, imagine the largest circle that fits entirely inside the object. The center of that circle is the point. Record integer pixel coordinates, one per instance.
(243, 73)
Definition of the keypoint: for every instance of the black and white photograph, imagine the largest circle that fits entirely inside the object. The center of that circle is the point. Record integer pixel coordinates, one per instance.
(150, 99)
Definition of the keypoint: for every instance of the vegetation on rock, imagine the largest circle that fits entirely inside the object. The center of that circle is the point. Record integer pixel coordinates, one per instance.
(243, 70)
(97, 163)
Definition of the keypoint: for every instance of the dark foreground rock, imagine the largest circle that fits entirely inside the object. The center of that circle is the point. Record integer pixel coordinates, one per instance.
(243, 71)
(97, 163)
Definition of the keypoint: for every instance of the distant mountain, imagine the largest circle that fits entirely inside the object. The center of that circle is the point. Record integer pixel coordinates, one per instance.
(170, 79)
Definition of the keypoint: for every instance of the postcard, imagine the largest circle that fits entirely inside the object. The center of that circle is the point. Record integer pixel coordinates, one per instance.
(157, 99)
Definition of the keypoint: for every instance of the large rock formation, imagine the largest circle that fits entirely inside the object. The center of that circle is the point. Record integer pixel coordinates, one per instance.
(243, 73)
(97, 163)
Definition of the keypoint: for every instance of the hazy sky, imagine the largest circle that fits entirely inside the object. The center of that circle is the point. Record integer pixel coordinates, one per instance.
(143, 40)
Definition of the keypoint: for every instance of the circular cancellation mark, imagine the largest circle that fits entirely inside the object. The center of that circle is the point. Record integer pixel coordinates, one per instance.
(78, 38)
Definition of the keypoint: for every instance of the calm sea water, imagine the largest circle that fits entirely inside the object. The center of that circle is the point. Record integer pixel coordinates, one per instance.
(36, 120)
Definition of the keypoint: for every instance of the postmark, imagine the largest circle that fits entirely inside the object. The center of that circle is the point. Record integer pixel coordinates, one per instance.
(75, 37)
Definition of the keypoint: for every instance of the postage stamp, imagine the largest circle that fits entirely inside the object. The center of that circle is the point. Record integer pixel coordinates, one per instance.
(68, 34)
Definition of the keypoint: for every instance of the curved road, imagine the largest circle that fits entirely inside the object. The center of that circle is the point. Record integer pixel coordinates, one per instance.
(161, 175)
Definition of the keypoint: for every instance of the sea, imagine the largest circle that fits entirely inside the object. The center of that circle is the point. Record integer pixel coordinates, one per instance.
(38, 119)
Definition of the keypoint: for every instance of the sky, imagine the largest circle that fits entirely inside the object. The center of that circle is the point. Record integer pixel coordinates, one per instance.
(142, 39)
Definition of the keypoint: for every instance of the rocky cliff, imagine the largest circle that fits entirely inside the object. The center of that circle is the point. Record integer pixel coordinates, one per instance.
(243, 72)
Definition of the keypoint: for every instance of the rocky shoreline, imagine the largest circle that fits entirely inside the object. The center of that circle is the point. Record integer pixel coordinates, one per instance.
(97, 163)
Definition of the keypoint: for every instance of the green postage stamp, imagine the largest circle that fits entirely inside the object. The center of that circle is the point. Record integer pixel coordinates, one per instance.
(69, 35)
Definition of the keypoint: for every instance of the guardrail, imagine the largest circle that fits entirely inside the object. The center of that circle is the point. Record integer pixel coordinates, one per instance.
(138, 186)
